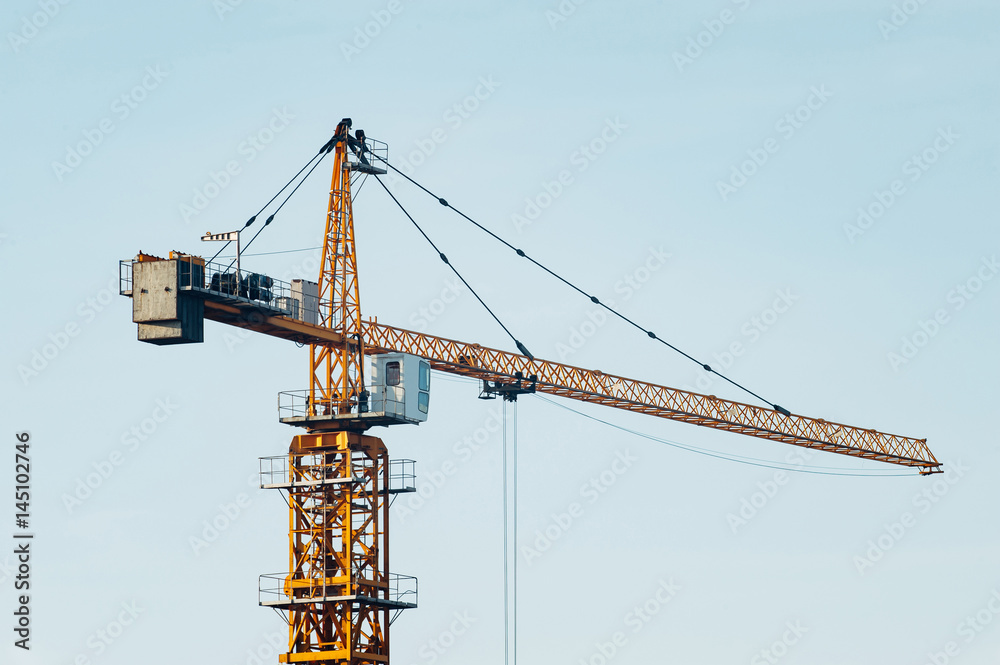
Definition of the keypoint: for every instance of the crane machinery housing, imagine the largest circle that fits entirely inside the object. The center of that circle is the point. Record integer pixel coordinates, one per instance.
(338, 595)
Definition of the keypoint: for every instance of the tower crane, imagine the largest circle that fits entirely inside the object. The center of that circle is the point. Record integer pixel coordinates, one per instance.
(339, 596)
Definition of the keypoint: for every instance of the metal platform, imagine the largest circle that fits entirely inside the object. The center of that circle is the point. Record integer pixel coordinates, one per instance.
(297, 407)
(275, 473)
(246, 304)
(280, 310)
(367, 168)
(221, 283)
(274, 591)
(377, 154)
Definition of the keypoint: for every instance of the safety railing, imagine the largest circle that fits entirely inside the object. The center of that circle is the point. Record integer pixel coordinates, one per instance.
(304, 404)
(373, 158)
(313, 470)
(226, 282)
(125, 278)
(403, 589)
(402, 476)
(281, 589)
(317, 470)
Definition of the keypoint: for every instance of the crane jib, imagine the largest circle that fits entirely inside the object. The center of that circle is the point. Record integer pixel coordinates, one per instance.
(599, 388)
(642, 397)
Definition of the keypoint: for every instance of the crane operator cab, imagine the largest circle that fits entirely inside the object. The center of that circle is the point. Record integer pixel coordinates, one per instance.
(401, 384)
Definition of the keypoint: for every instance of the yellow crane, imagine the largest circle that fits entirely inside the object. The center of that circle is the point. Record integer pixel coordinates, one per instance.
(339, 596)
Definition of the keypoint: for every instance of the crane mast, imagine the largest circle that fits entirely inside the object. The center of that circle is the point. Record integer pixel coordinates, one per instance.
(338, 595)
(336, 372)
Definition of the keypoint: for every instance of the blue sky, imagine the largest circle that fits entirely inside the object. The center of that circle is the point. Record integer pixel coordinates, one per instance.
(812, 183)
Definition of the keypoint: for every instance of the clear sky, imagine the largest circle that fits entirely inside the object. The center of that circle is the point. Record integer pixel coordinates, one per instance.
(802, 194)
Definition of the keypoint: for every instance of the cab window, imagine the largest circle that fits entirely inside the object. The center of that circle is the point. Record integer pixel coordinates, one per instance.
(425, 376)
(392, 373)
